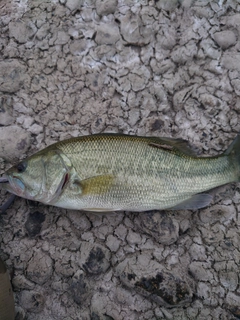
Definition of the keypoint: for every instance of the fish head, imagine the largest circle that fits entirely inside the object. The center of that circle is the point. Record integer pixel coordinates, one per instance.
(40, 177)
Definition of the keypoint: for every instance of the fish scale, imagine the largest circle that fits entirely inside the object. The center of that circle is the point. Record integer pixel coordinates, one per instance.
(146, 177)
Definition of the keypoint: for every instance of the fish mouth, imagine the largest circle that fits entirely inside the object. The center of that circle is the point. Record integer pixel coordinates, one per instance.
(12, 184)
(4, 183)
(17, 185)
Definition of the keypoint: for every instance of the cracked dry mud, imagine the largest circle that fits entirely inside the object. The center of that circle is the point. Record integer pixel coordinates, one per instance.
(164, 68)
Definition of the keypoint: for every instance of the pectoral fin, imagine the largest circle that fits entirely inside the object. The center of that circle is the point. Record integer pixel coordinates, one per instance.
(97, 184)
(195, 202)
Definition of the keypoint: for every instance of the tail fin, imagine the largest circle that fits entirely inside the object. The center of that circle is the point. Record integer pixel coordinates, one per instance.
(234, 151)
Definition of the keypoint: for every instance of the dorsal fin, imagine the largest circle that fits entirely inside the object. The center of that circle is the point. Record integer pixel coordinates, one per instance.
(172, 144)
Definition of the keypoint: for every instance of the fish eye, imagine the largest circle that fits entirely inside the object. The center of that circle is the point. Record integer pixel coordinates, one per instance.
(21, 167)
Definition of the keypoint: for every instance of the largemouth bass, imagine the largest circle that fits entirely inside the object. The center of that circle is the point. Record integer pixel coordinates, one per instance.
(110, 172)
(6, 295)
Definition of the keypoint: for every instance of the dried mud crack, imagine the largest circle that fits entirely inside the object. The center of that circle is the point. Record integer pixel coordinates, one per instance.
(163, 68)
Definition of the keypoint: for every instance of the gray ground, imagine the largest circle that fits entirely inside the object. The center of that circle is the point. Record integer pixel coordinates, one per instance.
(164, 68)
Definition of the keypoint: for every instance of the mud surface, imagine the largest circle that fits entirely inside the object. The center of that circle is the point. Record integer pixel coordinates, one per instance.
(164, 68)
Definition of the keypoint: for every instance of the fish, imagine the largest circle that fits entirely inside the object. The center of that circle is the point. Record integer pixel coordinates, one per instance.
(116, 172)
(7, 310)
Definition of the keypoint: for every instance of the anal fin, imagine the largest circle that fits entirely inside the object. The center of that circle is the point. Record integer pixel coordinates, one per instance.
(197, 201)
